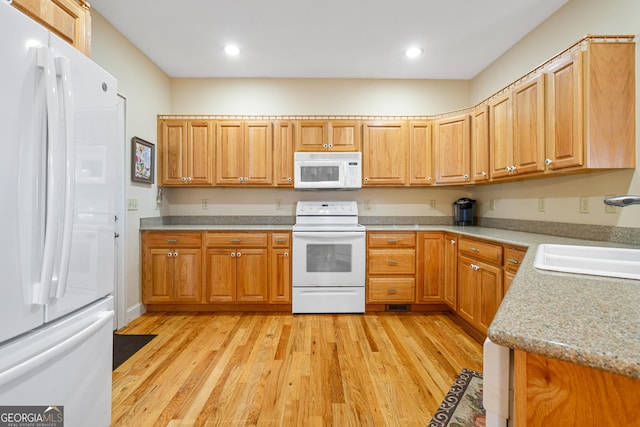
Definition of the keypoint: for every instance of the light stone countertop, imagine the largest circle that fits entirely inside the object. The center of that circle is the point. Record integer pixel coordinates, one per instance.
(588, 320)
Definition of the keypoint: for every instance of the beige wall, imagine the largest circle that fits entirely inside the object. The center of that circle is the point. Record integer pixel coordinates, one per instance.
(147, 90)
(520, 200)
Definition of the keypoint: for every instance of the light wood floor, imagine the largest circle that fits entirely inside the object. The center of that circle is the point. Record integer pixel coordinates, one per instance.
(279, 369)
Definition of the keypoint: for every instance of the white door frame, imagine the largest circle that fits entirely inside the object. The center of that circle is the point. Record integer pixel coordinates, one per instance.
(120, 294)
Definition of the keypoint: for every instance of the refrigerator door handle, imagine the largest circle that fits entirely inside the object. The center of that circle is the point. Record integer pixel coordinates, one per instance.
(42, 289)
(64, 71)
(33, 363)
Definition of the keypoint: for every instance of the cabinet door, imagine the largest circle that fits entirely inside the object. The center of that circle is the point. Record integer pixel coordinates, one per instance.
(312, 135)
(430, 267)
(451, 270)
(69, 19)
(452, 147)
(221, 275)
(384, 153)
(258, 161)
(344, 135)
(501, 136)
(420, 154)
(489, 295)
(252, 272)
(200, 152)
(564, 147)
(480, 145)
(230, 154)
(280, 284)
(467, 290)
(173, 151)
(283, 149)
(187, 275)
(528, 126)
(157, 278)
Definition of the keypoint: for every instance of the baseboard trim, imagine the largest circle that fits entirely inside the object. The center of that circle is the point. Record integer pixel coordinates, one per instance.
(134, 312)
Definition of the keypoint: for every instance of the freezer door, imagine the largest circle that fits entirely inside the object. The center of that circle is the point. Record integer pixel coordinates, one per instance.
(67, 363)
(22, 135)
(91, 151)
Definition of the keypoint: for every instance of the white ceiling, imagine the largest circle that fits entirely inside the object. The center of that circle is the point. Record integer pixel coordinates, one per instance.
(325, 38)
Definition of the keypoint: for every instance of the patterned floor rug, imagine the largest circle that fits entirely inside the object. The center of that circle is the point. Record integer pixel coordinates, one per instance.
(462, 406)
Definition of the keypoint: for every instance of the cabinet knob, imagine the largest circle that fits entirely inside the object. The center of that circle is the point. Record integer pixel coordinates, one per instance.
(240, 178)
(483, 173)
(289, 179)
(466, 176)
(175, 254)
(330, 146)
(513, 168)
(246, 179)
(474, 267)
(238, 254)
(366, 179)
(286, 254)
(429, 179)
(188, 179)
(233, 254)
(453, 242)
(169, 254)
(547, 161)
(184, 179)
(324, 145)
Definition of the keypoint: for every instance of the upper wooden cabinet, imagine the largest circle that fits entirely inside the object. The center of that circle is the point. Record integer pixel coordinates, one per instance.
(185, 149)
(591, 107)
(517, 130)
(384, 153)
(452, 148)
(69, 19)
(244, 153)
(323, 135)
(420, 154)
(283, 153)
(480, 144)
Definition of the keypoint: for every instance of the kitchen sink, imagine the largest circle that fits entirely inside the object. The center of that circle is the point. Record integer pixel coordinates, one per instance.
(592, 260)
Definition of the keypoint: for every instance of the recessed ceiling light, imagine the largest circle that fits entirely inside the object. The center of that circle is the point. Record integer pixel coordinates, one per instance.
(413, 52)
(232, 50)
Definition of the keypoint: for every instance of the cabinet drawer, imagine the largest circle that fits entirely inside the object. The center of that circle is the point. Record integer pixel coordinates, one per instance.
(392, 240)
(380, 289)
(513, 258)
(177, 239)
(237, 240)
(396, 261)
(280, 240)
(485, 251)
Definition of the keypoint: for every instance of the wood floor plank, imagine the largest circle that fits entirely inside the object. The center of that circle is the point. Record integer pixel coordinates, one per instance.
(279, 369)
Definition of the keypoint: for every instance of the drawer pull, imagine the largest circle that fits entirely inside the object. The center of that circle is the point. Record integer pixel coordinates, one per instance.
(392, 262)
(280, 240)
(474, 250)
(393, 241)
(235, 240)
(513, 261)
(392, 291)
(172, 241)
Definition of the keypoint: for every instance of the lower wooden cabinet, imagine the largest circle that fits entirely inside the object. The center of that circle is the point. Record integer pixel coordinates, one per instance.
(430, 277)
(450, 273)
(391, 267)
(479, 292)
(198, 268)
(171, 268)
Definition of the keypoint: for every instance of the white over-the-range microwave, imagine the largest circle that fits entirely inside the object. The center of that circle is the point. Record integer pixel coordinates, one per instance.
(327, 170)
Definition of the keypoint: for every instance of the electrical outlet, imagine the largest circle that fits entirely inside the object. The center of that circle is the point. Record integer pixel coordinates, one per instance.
(205, 204)
(541, 204)
(584, 205)
(279, 204)
(492, 204)
(132, 204)
(367, 205)
(432, 204)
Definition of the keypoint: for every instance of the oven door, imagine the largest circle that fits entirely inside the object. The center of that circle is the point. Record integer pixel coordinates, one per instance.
(326, 258)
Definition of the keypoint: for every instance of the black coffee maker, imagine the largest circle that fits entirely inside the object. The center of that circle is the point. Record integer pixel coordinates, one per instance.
(464, 211)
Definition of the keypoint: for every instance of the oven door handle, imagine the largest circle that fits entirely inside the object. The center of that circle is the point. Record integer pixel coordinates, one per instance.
(323, 235)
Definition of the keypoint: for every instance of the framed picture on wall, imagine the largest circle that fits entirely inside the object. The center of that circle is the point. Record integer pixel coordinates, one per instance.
(142, 160)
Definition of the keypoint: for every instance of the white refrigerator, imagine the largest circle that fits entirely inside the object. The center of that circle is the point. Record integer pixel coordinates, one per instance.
(58, 122)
